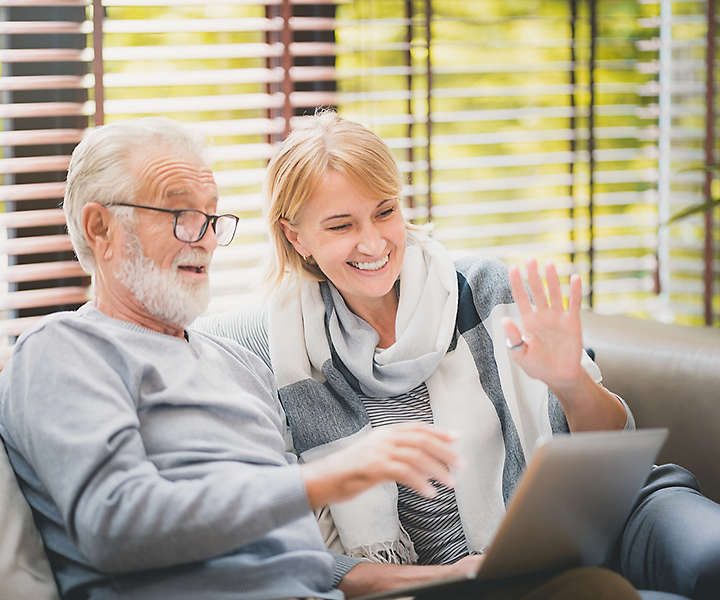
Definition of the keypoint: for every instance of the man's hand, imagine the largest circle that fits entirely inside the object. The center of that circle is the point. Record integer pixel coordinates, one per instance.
(412, 454)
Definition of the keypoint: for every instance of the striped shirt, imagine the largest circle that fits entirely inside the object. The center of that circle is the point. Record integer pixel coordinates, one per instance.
(433, 524)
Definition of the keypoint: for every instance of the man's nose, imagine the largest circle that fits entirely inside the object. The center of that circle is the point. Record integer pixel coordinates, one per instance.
(209, 240)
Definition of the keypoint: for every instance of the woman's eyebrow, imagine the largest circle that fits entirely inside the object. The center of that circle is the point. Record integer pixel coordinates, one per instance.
(382, 202)
(346, 216)
(334, 217)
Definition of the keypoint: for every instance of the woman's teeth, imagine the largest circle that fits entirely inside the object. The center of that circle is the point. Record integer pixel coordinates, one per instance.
(370, 266)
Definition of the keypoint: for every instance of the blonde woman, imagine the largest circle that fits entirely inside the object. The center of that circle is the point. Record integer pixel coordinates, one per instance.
(371, 323)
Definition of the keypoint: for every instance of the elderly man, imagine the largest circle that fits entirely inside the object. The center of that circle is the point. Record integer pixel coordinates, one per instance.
(154, 458)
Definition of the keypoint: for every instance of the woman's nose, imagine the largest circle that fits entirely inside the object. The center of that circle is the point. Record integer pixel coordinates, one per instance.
(371, 241)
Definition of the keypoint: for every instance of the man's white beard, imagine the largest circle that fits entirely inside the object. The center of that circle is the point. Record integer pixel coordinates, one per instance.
(164, 293)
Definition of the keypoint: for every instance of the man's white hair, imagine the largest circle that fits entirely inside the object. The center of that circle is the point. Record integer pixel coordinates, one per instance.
(99, 168)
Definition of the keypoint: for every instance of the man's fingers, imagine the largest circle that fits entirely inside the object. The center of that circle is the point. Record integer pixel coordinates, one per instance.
(425, 464)
(418, 483)
(423, 449)
(414, 454)
(423, 428)
(536, 285)
(416, 479)
(433, 446)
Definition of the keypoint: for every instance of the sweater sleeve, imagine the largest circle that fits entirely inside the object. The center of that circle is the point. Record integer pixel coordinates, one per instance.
(594, 371)
(73, 418)
(343, 564)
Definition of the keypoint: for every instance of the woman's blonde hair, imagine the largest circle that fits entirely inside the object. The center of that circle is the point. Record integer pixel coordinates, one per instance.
(326, 141)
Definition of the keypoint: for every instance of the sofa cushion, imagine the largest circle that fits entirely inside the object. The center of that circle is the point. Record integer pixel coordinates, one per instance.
(24, 568)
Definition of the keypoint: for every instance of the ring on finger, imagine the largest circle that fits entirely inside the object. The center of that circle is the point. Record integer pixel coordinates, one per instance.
(511, 346)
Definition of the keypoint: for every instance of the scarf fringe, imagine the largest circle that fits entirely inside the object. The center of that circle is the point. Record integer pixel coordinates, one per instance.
(399, 552)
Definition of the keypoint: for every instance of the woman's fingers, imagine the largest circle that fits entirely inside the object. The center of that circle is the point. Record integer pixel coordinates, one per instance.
(553, 285)
(536, 285)
(575, 295)
(512, 333)
(468, 565)
(519, 292)
(539, 293)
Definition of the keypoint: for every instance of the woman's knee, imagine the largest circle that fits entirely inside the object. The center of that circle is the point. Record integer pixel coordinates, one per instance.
(672, 540)
(707, 570)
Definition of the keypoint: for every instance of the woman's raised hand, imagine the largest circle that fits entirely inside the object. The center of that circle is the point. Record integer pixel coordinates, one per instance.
(548, 343)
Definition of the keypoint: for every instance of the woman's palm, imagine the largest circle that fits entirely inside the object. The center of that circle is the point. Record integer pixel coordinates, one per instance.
(553, 337)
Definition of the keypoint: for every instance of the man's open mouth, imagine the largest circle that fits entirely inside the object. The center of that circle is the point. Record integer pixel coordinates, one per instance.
(193, 268)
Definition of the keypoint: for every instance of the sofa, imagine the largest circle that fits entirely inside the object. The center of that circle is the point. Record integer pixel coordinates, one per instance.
(668, 374)
(670, 377)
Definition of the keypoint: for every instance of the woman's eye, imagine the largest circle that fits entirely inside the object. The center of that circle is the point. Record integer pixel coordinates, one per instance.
(339, 227)
(387, 212)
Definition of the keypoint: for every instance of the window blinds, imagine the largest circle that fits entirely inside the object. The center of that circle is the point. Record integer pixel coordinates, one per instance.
(566, 130)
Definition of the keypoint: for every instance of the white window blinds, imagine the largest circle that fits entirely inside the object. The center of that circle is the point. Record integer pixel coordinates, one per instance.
(565, 130)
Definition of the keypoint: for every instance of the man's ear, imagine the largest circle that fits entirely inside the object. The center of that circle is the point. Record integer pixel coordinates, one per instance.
(292, 236)
(97, 223)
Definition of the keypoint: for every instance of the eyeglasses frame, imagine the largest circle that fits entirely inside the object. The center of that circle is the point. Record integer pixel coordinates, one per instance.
(209, 220)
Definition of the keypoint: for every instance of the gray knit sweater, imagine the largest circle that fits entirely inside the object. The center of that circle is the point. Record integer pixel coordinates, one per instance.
(158, 467)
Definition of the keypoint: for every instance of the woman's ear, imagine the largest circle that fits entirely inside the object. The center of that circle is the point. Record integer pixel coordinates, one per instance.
(291, 234)
(98, 230)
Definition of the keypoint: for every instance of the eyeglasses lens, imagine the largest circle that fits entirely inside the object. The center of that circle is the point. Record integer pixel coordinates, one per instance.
(225, 229)
(189, 225)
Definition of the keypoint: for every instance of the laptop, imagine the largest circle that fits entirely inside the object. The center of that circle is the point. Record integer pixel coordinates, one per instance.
(567, 510)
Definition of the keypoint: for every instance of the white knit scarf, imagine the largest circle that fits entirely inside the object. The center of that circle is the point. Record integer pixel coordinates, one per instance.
(368, 525)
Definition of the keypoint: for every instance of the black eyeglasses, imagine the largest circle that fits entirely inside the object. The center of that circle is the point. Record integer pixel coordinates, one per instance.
(190, 225)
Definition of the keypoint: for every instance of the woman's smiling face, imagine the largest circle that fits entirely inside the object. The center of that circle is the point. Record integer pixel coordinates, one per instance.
(357, 241)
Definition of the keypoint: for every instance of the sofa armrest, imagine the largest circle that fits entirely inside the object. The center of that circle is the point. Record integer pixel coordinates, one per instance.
(24, 568)
(670, 377)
